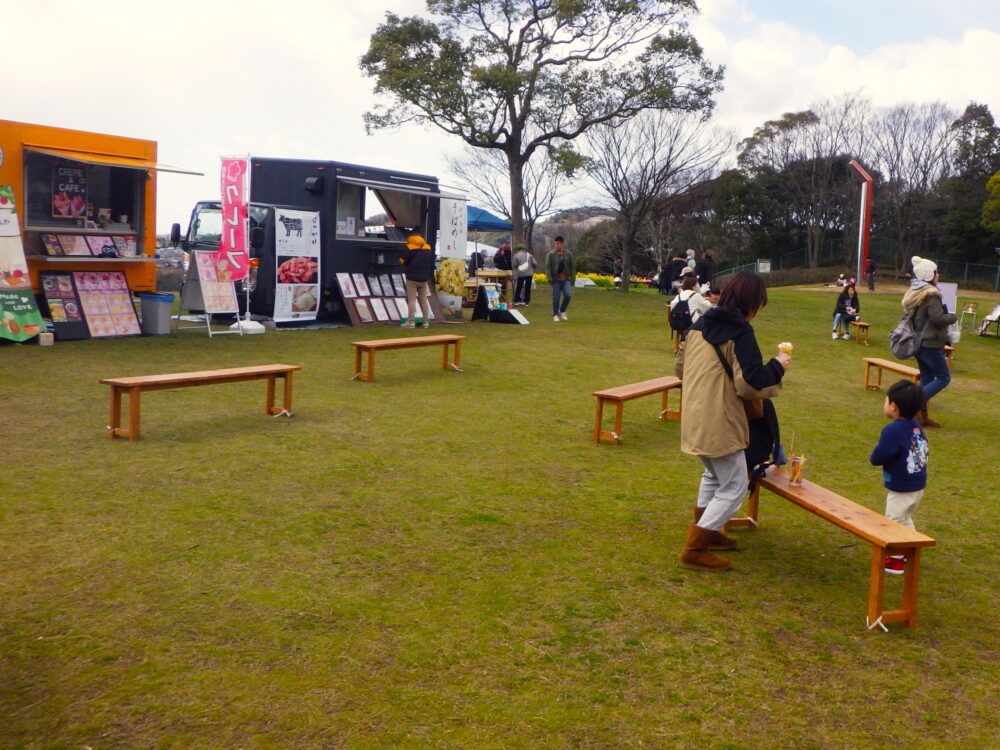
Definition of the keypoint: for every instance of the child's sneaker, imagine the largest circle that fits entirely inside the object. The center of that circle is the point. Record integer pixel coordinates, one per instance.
(555, 318)
(425, 324)
(563, 316)
(895, 564)
(407, 324)
(834, 334)
(846, 337)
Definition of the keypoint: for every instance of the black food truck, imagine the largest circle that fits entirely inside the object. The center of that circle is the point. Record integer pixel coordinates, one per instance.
(365, 215)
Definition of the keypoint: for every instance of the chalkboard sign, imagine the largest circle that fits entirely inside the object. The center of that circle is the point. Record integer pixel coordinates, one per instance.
(69, 191)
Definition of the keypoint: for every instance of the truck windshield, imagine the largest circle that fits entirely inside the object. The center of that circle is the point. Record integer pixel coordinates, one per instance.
(207, 225)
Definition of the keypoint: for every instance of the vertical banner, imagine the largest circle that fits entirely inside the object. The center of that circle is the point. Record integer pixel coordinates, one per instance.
(451, 247)
(20, 319)
(234, 246)
(296, 263)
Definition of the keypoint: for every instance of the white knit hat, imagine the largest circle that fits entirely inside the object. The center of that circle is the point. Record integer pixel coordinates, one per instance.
(923, 269)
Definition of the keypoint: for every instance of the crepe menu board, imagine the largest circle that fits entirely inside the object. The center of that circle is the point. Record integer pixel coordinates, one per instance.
(297, 266)
(361, 285)
(347, 290)
(74, 244)
(64, 305)
(399, 284)
(217, 296)
(107, 303)
(102, 246)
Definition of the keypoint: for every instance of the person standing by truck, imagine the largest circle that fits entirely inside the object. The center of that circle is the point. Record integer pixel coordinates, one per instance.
(419, 262)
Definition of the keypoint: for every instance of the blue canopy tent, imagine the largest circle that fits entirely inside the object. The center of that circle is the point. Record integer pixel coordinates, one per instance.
(481, 220)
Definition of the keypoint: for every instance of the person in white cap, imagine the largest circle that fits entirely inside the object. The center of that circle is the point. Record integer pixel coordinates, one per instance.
(923, 301)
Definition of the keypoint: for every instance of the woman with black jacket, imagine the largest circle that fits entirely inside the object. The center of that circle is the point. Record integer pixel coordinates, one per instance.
(848, 309)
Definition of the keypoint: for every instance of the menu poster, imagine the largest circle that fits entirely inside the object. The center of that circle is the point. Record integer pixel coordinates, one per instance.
(107, 303)
(19, 317)
(361, 285)
(363, 310)
(64, 306)
(297, 265)
(69, 192)
(400, 284)
(374, 285)
(390, 307)
(102, 247)
(378, 307)
(347, 290)
(74, 244)
(126, 245)
(217, 296)
(401, 307)
(387, 289)
(51, 244)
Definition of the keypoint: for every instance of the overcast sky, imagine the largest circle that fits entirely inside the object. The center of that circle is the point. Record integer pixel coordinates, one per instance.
(217, 77)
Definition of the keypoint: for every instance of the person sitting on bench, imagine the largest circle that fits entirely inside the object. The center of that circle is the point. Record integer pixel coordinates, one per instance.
(848, 309)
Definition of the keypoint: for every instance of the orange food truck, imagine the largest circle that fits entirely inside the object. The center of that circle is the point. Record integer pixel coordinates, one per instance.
(85, 201)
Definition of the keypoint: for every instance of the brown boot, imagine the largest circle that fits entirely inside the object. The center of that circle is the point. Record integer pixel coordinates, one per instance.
(718, 541)
(696, 556)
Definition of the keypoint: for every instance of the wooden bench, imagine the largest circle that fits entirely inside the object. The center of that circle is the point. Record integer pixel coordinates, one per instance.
(136, 385)
(887, 364)
(885, 535)
(949, 354)
(860, 326)
(444, 341)
(618, 396)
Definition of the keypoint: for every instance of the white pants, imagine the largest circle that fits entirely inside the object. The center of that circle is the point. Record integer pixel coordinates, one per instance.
(723, 487)
(900, 506)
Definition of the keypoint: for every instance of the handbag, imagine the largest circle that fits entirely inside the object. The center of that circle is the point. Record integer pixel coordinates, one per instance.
(524, 266)
(753, 407)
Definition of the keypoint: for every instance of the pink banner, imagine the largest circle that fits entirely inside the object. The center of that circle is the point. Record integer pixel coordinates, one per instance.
(234, 257)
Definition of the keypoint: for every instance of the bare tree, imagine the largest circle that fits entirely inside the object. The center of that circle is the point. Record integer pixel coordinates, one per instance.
(653, 155)
(912, 146)
(485, 175)
(809, 152)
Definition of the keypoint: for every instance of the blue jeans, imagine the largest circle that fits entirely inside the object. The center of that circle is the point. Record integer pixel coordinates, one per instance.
(934, 375)
(565, 289)
(842, 319)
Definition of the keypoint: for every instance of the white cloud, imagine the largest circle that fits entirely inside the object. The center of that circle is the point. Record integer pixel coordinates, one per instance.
(281, 79)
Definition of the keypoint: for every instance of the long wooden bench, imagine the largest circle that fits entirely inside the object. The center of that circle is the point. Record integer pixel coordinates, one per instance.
(371, 347)
(134, 387)
(887, 364)
(885, 535)
(618, 396)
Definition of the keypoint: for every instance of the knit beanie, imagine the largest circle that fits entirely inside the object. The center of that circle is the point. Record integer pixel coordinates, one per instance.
(923, 269)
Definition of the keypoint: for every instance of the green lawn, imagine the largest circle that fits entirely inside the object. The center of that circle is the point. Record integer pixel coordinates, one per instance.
(446, 560)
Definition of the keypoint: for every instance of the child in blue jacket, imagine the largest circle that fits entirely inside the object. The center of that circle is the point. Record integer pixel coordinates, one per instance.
(902, 453)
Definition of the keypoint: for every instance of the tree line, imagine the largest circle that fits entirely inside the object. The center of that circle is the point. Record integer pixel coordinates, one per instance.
(543, 91)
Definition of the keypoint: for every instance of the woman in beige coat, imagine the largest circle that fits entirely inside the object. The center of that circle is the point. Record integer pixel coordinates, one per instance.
(722, 367)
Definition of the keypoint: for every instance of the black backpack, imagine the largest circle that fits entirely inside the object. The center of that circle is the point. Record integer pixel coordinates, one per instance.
(680, 315)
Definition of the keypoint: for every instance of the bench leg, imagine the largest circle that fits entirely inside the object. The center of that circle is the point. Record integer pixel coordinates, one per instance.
(269, 404)
(133, 413)
(876, 588)
(357, 364)
(371, 366)
(748, 521)
(115, 415)
(619, 411)
(598, 417)
(456, 364)
(288, 394)
(665, 411)
(911, 577)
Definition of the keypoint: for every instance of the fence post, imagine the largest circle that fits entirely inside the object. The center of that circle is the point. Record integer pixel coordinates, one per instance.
(996, 283)
(965, 277)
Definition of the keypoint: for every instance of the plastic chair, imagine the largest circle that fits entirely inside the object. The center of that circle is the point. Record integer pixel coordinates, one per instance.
(971, 308)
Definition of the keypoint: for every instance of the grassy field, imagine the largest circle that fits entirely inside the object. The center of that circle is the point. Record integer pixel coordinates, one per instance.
(446, 560)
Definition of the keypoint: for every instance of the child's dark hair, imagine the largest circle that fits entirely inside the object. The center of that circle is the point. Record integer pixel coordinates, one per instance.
(907, 396)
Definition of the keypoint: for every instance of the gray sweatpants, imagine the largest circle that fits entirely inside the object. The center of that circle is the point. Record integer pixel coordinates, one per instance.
(723, 487)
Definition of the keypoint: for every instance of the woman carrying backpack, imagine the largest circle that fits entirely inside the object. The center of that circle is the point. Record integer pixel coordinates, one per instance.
(723, 367)
(923, 302)
(685, 309)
